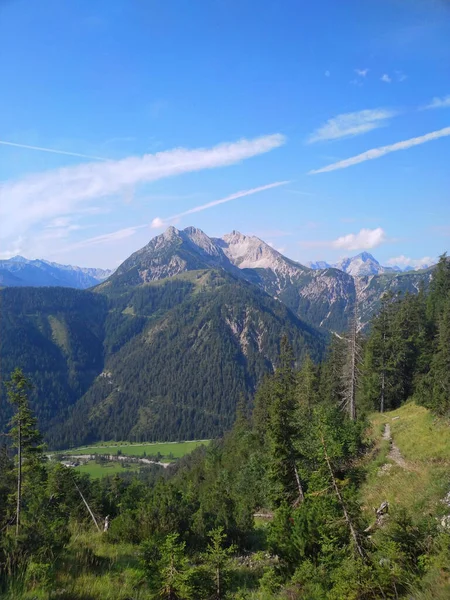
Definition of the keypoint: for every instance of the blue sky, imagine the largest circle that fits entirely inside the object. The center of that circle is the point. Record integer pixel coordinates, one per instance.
(194, 101)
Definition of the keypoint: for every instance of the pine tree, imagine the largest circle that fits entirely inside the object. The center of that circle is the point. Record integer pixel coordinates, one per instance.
(167, 568)
(24, 432)
(307, 384)
(217, 559)
(440, 366)
(378, 357)
(331, 383)
(439, 288)
(287, 486)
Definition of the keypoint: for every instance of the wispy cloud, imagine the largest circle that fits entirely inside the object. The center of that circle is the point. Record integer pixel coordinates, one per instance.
(365, 239)
(386, 78)
(351, 124)
(362, 72)
(157, 223)
(327, 73)
(415, 263)
(382, 150)
(107, 238)
(443, 102)
(41, 197)
(52, 150)
(401, 76)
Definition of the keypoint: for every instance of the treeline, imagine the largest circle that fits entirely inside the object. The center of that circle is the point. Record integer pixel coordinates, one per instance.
(407, 353)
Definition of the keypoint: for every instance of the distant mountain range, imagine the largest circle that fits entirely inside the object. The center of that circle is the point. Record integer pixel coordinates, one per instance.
(21, 272)
(363, 264)
(163, 348)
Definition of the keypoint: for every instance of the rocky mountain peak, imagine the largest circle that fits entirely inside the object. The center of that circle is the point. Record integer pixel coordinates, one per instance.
(249, 252)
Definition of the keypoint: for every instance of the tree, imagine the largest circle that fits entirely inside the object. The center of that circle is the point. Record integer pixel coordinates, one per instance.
(439, 288)
(378, 355)
(173, 570)
(307, 385)
(217, 558)
(284, 475)
(24, 432)
(351, 370)
(440, 365)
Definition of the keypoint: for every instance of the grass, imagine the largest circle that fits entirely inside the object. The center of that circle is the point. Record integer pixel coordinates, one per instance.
(97, 470)
(168, 450)
(424, 443)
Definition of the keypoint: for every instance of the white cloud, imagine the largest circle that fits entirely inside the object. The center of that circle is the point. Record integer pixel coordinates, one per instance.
(157, 223)
(363, 240)
(41, 197)
(386, 78)
(351, 124)
(443, 102)
(416, 263)
(361, 72)
(382, 150)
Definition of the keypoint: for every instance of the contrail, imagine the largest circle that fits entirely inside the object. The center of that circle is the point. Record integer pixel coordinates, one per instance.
(3, 143)
(157, 222)
(382, 150)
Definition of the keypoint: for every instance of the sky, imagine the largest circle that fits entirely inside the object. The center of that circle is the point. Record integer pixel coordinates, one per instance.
(321, 127)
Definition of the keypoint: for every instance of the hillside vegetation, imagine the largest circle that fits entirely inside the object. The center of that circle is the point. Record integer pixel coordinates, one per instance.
(163, 361)
(310, 495)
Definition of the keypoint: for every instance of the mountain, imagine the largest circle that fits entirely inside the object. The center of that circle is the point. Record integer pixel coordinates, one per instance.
(162, 360)
(320, 264)
(325, 298)
(360, 265)
(40, 273)
(363, 264)
(164, 347)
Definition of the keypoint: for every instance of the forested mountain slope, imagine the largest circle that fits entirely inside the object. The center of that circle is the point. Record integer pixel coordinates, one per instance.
(165, 360)
(181, 376)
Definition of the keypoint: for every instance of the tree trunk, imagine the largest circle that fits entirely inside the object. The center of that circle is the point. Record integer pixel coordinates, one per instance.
(301, 495)
(19, 478)
(218, 590)
(341, 501)
(87, 506)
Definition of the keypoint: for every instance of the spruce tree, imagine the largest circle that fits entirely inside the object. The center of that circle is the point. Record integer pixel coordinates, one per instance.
(24, 432)
(217, 559)
(286, 483)
(440, 366)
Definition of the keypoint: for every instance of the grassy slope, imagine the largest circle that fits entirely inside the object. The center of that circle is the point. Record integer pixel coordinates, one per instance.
(424, 443)
(419, 486)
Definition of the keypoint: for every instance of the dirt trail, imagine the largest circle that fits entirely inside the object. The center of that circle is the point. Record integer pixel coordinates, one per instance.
(394, 453)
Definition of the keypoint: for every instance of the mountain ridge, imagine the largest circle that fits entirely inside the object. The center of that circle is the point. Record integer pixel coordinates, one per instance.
(25, 272)
(363, 264)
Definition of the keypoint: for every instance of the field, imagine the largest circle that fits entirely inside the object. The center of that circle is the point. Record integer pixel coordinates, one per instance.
(167, 450)
(97, 470)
